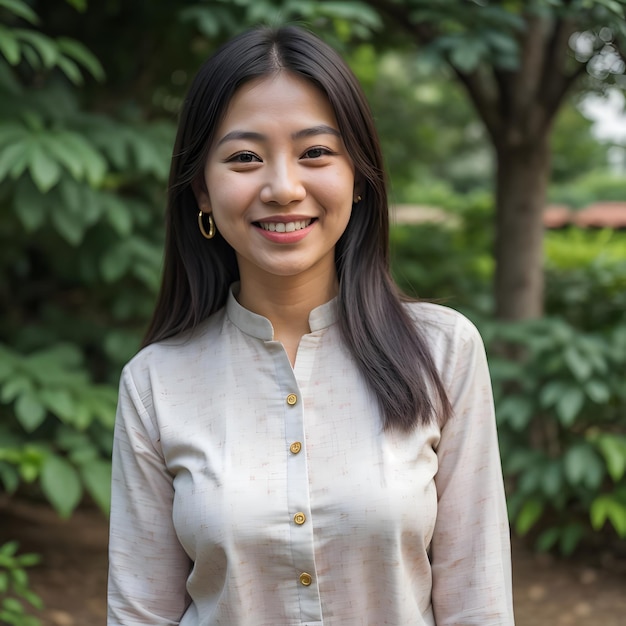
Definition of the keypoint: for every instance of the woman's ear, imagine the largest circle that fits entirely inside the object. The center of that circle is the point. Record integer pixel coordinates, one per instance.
(201, 193)
(357, 194)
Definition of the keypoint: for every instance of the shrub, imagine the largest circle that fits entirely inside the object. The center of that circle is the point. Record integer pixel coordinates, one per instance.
(586, 277)
(596, 186)
(558, 381)
(14, 587)
(561, 410)
(80, 209)
(450, 261)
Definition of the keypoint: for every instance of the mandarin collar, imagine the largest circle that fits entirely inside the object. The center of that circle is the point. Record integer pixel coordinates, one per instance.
(260, 327)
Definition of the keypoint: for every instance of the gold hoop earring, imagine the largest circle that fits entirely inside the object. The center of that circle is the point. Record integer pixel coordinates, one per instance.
(211, 232)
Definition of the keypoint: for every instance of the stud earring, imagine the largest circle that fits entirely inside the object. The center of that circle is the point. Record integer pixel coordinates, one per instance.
(357, 199)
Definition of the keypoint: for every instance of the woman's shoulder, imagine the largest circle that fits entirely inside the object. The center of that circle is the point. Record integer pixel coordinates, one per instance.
(178, 351)
(438, 318)
(446, 330)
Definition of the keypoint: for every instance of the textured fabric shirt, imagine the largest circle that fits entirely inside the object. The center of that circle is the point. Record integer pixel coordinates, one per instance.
(250, 493)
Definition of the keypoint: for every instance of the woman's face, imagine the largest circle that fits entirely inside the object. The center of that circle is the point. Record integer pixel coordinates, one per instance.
(278, 179)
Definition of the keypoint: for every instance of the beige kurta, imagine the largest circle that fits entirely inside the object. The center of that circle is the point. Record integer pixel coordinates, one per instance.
(250, 493)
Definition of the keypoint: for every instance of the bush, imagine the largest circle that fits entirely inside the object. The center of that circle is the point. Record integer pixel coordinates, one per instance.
(14, 587)
(561, 410)
(586, 277)
(449, 262)
(558, 381)
(80, 215)
(596, 186)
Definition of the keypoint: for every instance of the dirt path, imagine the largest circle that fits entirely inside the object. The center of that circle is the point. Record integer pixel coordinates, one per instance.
(72, 576)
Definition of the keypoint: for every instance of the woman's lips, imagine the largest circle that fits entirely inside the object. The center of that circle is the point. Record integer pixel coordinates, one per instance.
(285, 227)
(285, 231)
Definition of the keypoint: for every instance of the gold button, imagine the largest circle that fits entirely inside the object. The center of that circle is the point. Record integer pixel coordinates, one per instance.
(299, 518)
(295, 447)
(305, 579)
(292, 398)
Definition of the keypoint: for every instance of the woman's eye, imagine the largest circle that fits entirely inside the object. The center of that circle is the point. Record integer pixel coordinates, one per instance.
(244, 157)
(316, 153)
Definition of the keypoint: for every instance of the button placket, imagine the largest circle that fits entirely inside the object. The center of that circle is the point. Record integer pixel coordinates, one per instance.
(302, 540)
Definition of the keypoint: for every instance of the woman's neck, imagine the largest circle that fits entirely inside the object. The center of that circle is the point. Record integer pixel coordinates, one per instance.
(287, 301)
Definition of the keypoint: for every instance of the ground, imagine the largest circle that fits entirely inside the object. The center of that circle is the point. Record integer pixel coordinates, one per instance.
(71, 579)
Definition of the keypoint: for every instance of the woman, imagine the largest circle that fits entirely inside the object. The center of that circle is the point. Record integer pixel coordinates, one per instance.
(296, 444)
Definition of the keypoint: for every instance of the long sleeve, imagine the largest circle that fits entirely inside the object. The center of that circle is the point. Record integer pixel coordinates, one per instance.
(147, 565)
(471, 565)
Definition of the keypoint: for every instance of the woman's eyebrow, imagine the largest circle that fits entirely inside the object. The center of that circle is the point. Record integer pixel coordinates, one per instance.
(320, 129)
(241, 134)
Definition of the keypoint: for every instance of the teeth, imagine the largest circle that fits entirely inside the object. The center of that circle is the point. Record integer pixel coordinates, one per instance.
(281, 227)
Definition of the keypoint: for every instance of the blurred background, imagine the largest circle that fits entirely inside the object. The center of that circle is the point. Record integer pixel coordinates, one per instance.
(504, 132)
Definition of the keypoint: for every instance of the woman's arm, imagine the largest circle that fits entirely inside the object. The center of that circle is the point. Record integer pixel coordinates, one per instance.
(148, 568)
(471, 546)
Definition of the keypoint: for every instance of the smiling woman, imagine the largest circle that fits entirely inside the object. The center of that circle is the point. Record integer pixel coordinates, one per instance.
(297, 443)
(277, 176)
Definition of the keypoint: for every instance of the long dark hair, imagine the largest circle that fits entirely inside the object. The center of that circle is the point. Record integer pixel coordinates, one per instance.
(383, 339)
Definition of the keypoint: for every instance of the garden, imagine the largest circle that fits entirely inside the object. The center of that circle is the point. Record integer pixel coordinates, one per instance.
(86, 130)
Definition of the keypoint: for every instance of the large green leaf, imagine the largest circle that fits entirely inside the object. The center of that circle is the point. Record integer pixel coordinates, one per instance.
(582, 466)
(44, 46)
(613, 449)
(29, 411)
(94, 165)
(528, 516)
(14, 159)
(9, 46)
(569, 405)
(61, 484)
(20, 9)
(609, 508)
(77, 51)
(57, 147)
(44, 170)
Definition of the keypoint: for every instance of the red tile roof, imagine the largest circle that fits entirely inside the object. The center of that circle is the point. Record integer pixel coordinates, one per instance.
(596, 215)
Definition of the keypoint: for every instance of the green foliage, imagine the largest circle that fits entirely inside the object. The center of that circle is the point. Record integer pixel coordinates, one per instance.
(595, 186)
(340, 19)
(428, 129)
(81, 198)
(586, 277)
(574, 148)
(427, 257)
(558, 381)
(41, 52)
(576, 248)
(59, 428)
(14, 587)
(560, 406)
(83, 169)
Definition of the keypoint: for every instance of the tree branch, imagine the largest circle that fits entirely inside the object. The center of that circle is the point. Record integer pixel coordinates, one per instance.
(555, 80)
(400, 15)
(505, 81)
(565, 84)
(526, 82)
(486, 102)
(485, 99)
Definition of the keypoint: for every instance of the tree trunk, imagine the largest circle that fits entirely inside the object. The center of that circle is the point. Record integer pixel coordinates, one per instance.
(522, 176)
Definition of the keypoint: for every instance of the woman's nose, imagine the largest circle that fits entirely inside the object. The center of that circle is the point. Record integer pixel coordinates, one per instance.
(283, 185)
